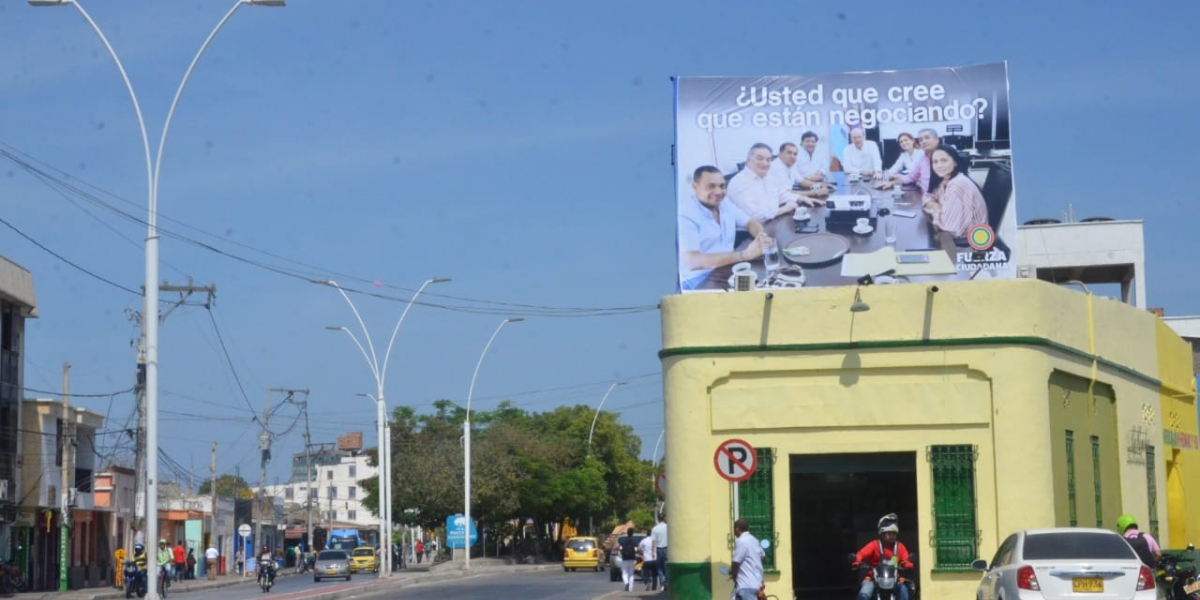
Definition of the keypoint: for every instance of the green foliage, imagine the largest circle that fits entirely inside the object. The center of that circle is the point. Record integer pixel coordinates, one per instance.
(228, 486)
(643, 519)
(523, 464)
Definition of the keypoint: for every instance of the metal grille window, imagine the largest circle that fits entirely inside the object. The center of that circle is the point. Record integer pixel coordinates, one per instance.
(1096, 479)
(955, 538)
(1152, 491)
(756, 504)
(1071, 478)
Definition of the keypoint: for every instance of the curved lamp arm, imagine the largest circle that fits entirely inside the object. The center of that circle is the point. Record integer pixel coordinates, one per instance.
(373, 360)
(137, 108)
(388, 352)
(360, 347)
(471, 390)
(162, 141)
(593, 429)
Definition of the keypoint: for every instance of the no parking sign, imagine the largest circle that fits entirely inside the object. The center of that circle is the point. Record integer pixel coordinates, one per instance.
(735, 460)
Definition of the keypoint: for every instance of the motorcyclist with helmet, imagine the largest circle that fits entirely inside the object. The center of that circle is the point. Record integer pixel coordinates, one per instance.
(139, 562)
(885, 549)
(1143, 544)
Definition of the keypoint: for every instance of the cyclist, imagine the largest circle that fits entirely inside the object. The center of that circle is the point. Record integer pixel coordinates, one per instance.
(163, 559)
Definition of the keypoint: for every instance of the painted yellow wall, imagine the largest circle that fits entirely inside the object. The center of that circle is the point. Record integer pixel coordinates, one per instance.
(969, 364)
(1084, 414)
(1177, 444)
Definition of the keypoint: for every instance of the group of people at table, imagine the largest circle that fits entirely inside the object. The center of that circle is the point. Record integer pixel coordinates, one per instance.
(769, 187)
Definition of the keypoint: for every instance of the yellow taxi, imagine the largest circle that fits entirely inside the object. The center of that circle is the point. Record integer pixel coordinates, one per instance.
(363, 560)
(582, 553)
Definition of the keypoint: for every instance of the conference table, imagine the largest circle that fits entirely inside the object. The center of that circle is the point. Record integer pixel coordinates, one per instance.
(913, 235)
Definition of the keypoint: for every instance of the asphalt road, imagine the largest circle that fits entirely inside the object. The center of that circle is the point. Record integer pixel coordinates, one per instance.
(291, 587)
(542, 585)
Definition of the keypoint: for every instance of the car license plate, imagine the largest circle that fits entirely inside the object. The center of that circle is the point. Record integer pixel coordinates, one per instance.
(331, 570)
(1083, 585)
(1191, 587)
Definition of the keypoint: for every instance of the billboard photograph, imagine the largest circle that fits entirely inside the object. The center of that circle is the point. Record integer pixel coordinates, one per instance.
(826, 180)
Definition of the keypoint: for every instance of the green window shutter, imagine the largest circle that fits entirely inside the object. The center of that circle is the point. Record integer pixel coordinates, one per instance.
(1071, 478)
(1096, 479)
(955, 538)
(1152, 491)
(756, 502)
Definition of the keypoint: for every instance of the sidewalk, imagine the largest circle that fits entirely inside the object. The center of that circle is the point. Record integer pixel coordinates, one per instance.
(414, 574)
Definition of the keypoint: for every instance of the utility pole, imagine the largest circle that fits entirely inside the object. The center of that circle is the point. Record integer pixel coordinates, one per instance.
(143, 498)
(212, 484)
(308, 482)
(264, 444)
(64, 523)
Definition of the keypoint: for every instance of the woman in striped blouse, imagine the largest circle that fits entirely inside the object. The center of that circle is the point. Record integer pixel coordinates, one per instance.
(954, 202)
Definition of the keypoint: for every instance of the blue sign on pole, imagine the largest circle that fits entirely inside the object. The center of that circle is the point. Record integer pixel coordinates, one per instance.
(456, 526)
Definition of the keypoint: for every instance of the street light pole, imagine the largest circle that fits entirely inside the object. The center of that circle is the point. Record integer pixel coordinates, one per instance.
(150, 301)
(467, 444)
(379, 372)
(593, 430)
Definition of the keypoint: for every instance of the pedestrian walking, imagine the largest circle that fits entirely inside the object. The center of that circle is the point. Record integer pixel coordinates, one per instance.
(659, 533)
(210, 562)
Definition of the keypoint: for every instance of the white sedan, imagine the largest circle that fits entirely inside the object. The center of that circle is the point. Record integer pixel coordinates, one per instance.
(1074, 563)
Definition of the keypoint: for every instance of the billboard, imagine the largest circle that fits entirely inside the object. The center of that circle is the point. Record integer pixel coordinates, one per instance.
(825, 180)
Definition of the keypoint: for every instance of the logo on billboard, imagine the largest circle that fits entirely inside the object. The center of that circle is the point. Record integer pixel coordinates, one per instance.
(981, 237)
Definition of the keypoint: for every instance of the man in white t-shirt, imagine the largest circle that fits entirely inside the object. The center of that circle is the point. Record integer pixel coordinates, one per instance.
(649, 562)
(210, 562)
(659, 533)
(747, 571)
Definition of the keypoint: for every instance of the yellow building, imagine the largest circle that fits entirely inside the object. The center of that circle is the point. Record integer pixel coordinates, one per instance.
(971, 410)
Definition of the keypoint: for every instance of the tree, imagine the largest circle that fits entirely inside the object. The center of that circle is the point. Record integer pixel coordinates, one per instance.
(228, 486)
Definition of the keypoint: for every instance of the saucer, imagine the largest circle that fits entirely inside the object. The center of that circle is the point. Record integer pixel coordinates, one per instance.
(799, 217)
(863, 230)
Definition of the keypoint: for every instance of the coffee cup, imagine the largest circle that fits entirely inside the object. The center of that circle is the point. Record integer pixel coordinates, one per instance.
(863, 223)
(741, 267)
(801, 213)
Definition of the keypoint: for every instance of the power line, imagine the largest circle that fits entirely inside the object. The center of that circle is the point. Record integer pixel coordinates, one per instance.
(491, 307)
(229, 361)
(68, 261)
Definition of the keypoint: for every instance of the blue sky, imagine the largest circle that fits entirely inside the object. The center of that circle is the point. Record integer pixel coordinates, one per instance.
(519, 147)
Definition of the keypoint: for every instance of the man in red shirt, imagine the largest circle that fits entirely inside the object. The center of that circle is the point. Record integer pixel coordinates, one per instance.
(180, 561)
(885, 549)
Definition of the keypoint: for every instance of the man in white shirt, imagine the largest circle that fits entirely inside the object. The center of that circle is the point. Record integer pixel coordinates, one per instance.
(747, 570)
(210, 562)
(812, 165)
(649, 563)
(757, 194)
(708, 227)
(861, 156)
(783, 167)
(659, 533)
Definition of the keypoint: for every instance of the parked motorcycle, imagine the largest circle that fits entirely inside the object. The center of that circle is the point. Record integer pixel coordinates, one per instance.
(887, 577)
(1177, 576)
(135, 580)
(11, 579)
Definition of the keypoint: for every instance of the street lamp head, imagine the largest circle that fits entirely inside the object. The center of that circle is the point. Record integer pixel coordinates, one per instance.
(514, 319)
(439, 280)
(49, 2)
(334, 327)
(279, 3)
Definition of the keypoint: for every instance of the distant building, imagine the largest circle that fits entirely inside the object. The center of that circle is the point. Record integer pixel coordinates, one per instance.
(326, 480)
(17, 303)
(56, 443)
